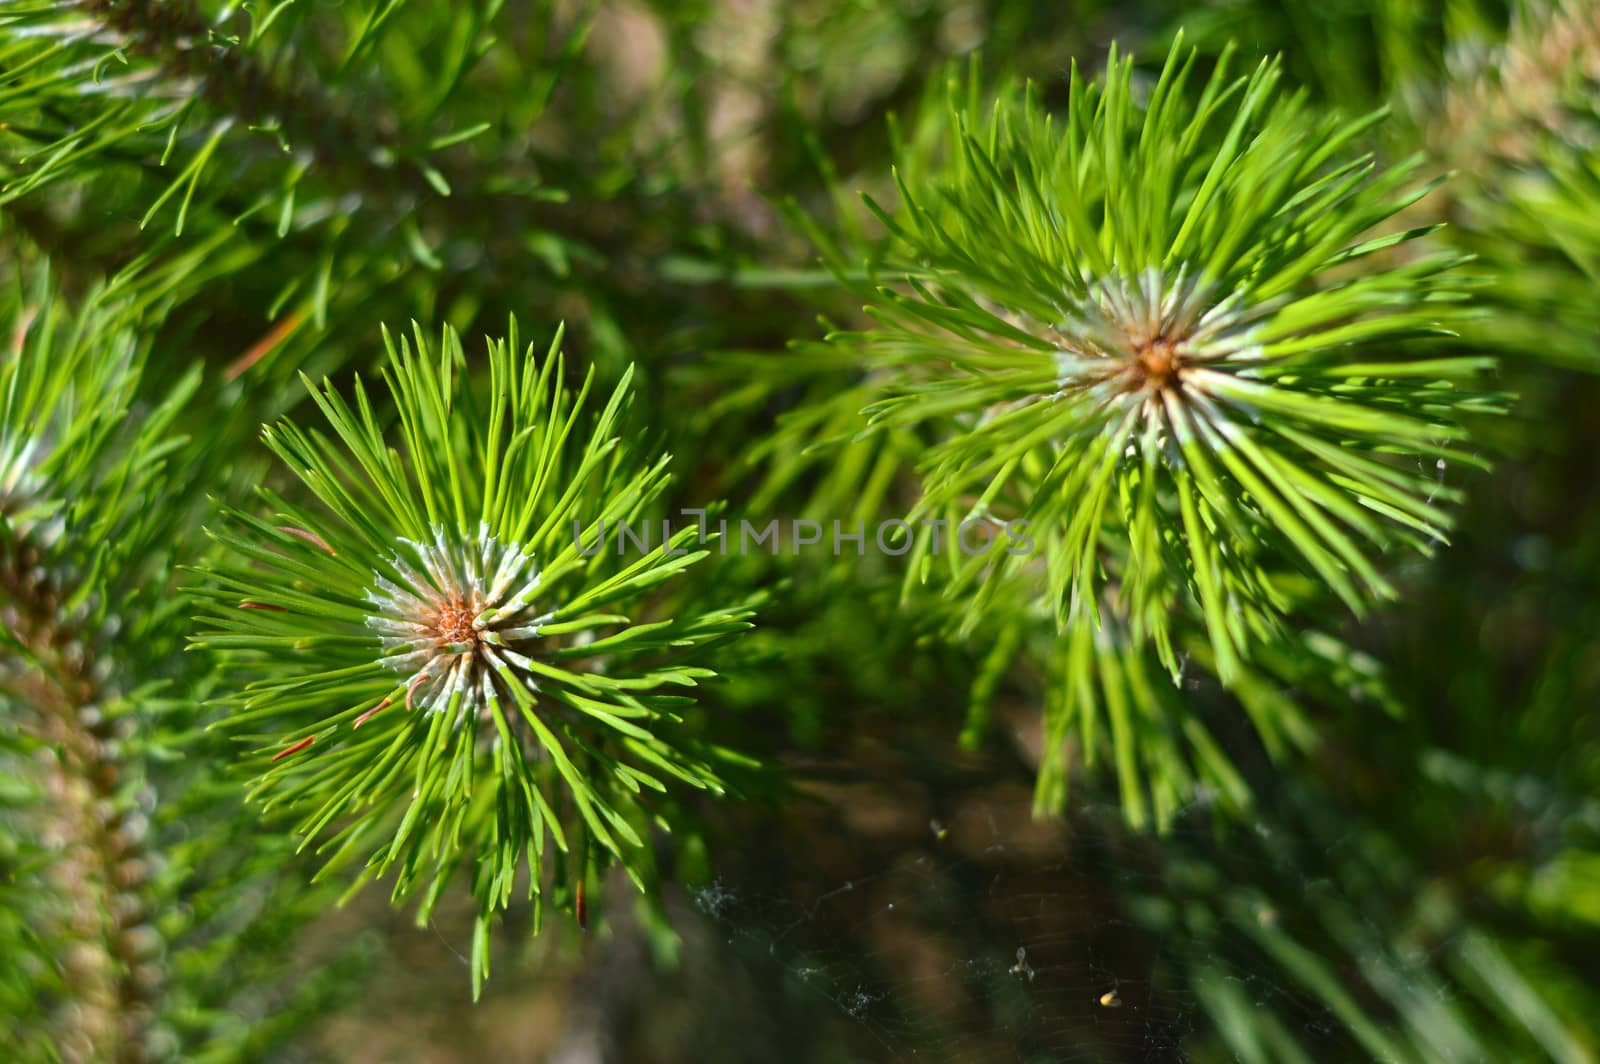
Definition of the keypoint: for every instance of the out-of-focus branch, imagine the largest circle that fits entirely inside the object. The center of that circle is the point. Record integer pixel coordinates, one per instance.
(98, 863)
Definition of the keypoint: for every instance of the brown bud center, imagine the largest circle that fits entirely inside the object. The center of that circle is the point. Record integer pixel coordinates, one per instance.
(452, 623)
(1156, 364)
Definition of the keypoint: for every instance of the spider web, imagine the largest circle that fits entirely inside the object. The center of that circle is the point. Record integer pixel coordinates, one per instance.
(946, 956)
(907, 906)
(881, 933)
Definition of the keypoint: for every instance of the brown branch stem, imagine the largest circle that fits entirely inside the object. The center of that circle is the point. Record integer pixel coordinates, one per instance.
(97, 866)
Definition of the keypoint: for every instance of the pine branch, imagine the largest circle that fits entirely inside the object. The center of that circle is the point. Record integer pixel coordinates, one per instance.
(121, 922)
(478, 682)
(1517, 119)
(68, 514)
(189, 48)
(404, 185)
(1160, 350)
(362, 154)
(99, 861)
(1161, 335)
(1508, 101)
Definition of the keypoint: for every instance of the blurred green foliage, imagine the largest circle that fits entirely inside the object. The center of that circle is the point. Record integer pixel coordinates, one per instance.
(1381, 842)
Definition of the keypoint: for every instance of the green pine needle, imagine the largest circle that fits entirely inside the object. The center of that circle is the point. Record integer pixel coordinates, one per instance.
(1164, 328)
(432, 673)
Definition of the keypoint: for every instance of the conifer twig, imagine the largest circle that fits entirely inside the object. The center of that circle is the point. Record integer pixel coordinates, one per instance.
(1520, 92)
(101, 864)
(361, 151)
